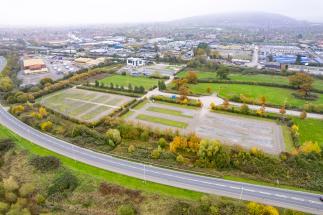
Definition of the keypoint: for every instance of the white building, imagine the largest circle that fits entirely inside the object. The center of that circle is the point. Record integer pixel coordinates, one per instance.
(135, 62)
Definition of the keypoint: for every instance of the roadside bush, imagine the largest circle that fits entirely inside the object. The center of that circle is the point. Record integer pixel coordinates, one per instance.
(63, 184)
(10, 197)
(126, 210)
(10, 184)
(45, 163)
(144, 136)
(155, 154)
(6, 145)
(180, 159)
(114, 135)
(3, 207)
(46, 126)
(26, 189)
(17, 109)
(131, 149)
(162, 142)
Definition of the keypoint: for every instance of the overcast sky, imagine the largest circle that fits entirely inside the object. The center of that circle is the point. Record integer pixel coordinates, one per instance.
(65, 12)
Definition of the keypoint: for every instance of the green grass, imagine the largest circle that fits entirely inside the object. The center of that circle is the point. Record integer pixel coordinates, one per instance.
(260, 78)
(168, 111)
(125, 116)
(177, 105)
(125, 80)
(140, 105)
(277, 96)
(101, 174)
(92, 114)
(287, 139)
(310, 130)
(162, 121)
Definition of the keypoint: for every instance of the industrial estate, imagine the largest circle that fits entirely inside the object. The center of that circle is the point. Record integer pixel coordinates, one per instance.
(178, 119)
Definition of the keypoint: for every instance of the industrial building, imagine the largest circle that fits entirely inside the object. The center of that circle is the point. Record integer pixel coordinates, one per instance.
(33, 66)
(135, 62)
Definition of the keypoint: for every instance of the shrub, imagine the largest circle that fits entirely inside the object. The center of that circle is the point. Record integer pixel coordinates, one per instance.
(26, 189)
(244, 109)
(114, 135)
(131, 149)
(144, 136)
(6, 144)
(303, 115)
(162, 142)
(126, 210)
(11, 197)
(40, 199)
(45, 163)
(3, 207)
(17, 109)
(66, 182)
(46, 126)
(10, 184)
(155, 154)
(180, 159)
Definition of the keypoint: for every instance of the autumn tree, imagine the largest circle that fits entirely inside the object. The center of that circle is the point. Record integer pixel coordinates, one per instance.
(282, 110)
(6, 84)
(303, 82)
(42, 111)
(184, 92)
(178, 143)
(225, 104)
(262, 100)
(193, 142)
(191, 77)
(179, 82)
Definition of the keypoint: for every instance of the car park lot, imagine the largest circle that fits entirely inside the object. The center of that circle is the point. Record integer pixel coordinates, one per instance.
(83, 105)
(148, 70)
(232, 130)
(57, 68)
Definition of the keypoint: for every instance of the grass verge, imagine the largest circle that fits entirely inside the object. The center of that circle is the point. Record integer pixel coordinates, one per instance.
(85, 169)
(168, 111)
(162, 121)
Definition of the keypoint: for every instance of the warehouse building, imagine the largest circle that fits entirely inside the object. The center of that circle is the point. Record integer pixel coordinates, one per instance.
(33, 66)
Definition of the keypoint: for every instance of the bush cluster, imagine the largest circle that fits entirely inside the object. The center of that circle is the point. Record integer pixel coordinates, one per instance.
(45, 163)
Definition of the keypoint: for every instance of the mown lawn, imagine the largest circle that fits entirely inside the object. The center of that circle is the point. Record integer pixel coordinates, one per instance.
(84, 170)
(277, 96)
(168, 111)
(125, 80)
(162, 121)
(261, 78)
(310, 130)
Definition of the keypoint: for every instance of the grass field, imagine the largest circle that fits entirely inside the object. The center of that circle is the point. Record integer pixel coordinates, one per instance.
(310, 130)
(168, 111)
(162, 121)
(82, 104)
(125, 80)
(273, 95)
(261, 78)
(84, 170)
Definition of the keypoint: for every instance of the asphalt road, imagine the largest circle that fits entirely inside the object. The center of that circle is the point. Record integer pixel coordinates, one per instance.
(279, 197)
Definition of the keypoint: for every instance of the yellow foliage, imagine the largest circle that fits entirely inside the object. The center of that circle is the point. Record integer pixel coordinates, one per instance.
(46, 126)
(213, 106)
(259, 209)
(309, 147)
(42, 111)
(17, 109)
(178, 143)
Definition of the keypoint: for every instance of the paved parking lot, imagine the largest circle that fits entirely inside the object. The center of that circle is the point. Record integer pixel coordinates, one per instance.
(82, 104)
(232, 130)
(57, 68)
(162, 69)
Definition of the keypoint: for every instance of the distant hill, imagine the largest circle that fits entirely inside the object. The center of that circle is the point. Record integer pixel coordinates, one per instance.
(253, 19)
